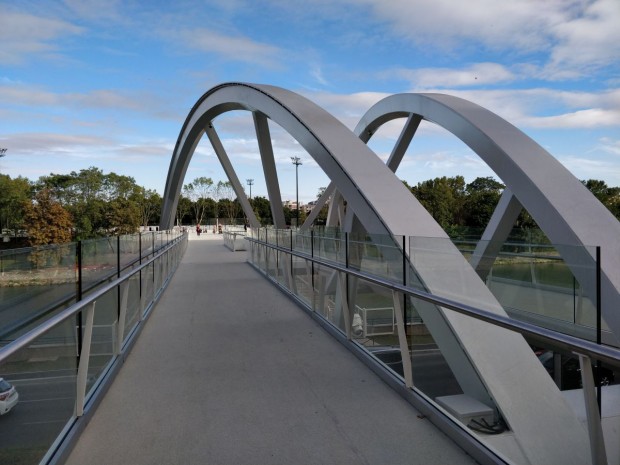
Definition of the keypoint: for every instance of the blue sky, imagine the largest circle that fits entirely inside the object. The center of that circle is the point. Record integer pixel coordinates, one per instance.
(109, 83)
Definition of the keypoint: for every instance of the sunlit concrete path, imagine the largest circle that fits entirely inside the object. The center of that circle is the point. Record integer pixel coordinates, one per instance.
(228, 370)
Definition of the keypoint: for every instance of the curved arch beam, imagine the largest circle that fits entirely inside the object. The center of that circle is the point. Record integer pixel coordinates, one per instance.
(561, 205)
(532, 405)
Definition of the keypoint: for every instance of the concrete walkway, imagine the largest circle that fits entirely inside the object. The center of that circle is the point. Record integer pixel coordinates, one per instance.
(229, 371)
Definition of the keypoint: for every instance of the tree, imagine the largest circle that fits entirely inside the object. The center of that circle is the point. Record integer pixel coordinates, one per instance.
(149, 204)
(14, 193)
(94, 198)
(482, 197)
(608, 196)
(122, 216)
(197, 192)
(228, 205)
(47, 221)
(262, 210)
(443, 198)
(184, 206)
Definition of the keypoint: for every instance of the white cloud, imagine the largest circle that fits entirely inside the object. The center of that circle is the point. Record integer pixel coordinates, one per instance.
(98, 10)
(591, 118)
(22, 35)
(231, 48)
(34, 96)
(547, 108)
(475, 75)
(34, 143)
(591, 39)
(609, 145)
(575, 36)
(592, 168)
(523, 24)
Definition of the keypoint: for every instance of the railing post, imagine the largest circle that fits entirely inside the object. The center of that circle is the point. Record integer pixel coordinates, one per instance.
(401, 329)
(118, 275)
(120, 329)
(405, 280)
(346, 260)
(593, 417)
(292, 277)
(599, 320)
(82, 374)
(78, 257)
(140, 259)
(312, 254)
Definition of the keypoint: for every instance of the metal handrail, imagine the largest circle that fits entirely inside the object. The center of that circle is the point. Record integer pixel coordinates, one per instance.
(566, 342)
(29, 337)
(69, 297)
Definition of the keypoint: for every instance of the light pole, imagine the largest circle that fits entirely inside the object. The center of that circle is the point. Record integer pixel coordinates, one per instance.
(297, 161)
(250, 182)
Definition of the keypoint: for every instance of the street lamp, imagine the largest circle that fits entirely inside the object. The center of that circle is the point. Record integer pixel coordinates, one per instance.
(250, 182)
(297, 161)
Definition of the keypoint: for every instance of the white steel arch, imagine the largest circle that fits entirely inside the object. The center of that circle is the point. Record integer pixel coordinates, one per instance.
(565, 210)
(489, 368)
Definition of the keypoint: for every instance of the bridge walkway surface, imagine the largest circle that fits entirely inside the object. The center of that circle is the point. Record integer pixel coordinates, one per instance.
(228, 370)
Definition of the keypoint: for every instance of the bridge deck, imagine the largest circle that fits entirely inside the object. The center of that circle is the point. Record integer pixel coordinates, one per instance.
(229, 371)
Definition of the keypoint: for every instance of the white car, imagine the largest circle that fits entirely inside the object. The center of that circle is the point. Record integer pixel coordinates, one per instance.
(8, 396)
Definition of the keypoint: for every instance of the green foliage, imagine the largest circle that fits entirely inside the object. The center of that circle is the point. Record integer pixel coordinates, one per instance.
(443, 198)
(482, 196)
(14, 193)
(149, 203)
(198, 191)
(101, 204)
(262, 210)
(184, 207)
(608, 196)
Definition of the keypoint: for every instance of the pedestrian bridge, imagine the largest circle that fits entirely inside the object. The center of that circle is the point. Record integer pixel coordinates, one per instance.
(438, 354)
(230, 368)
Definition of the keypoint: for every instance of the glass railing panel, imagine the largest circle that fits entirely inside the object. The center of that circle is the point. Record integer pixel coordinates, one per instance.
(103, 336)
(129, 250)
(147, 243)
(271, 262)
(285, 238)
(551, 286)
(271, 236)
(331, 246)
(284, 266)
(302, 242)
(133, 303)
(328, 302)
(157, 276)
(373, 321)
(379, 255)
(146, 286)
(431, 373)
(99, 261)
(442, 270)
(34, 284)
(302, 284)
(44, 377)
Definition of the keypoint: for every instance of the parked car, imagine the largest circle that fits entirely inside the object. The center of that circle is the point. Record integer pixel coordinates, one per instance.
(571, 371)
(8, 396)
